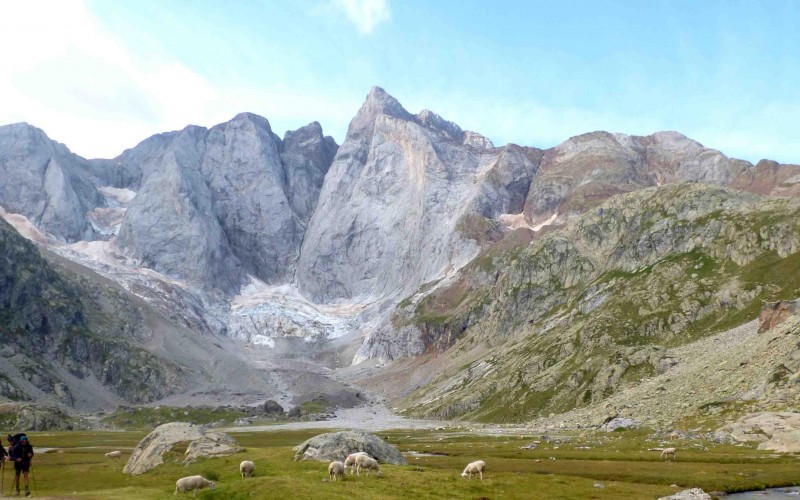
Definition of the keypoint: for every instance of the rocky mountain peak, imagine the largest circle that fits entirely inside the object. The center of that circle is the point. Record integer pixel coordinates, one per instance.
(379, 99)
(246, 117)
(378, 103)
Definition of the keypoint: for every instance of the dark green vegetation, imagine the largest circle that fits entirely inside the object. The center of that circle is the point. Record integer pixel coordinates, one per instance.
(54, 321)
(588, 310)
(618, 461)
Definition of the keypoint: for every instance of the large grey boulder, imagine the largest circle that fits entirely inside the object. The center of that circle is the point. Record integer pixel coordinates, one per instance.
(337, 445)
(149, 453)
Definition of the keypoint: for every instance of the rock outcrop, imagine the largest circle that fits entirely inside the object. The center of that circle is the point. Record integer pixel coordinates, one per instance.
(337, 445)
(776, 431)
(32, 417)
(149, 453)
(775, 313)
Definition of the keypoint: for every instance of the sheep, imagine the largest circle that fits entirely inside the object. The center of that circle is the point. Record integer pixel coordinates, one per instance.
(668, 452)
(193, 483)
(474, 468)
(114, 454)
(336, 469)
(350, 461)
(246, 468)
(367, 462)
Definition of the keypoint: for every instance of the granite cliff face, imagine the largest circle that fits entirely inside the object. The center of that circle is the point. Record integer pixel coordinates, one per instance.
(395, 208)
(42, 180)
(217, 205)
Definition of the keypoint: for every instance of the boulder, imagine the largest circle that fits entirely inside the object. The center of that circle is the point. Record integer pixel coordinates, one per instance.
(621, 423)
(149, 453)
(271, 407)
(783, 442)
(692, 494)
(776, 431)
(337, 445)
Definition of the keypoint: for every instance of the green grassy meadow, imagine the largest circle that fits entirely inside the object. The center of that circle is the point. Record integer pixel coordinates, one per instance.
(619, 461)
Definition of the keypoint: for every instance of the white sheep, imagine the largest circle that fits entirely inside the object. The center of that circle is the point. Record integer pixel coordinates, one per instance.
(367, 462)
(668, 452)
(193, 483)
(350, 461)
(246, 468)
(474, 468)
(336, 469)
(114, 454)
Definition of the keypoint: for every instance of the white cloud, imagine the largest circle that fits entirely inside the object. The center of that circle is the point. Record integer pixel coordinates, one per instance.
(75, 80)
(365, 14)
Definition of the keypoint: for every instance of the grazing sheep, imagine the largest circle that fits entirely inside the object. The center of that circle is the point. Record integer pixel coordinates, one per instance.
(474, 468)
(246, 468)
(193, 483)
(114, 454)
(350, 461)
(367, 462)
(336, 469)
(668, 452)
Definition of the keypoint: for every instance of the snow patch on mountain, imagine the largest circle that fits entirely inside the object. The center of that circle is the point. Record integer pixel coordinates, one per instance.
(262, 313)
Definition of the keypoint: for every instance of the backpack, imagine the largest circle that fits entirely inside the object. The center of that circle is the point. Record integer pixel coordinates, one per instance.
(16, 438)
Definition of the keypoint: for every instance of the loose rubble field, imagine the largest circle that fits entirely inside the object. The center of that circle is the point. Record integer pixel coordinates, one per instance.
(588, 464)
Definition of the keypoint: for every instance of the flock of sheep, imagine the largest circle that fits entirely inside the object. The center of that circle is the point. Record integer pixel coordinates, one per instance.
(336, 470)
(356, 461)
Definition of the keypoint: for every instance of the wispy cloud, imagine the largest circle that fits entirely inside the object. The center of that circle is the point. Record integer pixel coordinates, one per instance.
(365, 14)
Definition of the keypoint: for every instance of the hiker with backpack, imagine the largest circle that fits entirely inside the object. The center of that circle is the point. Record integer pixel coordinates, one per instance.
(21, 454)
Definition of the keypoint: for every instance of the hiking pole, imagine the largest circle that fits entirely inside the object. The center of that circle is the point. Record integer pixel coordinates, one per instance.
(3, 477)
(33, 476)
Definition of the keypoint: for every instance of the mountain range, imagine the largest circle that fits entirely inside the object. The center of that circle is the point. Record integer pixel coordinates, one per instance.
(416, 259)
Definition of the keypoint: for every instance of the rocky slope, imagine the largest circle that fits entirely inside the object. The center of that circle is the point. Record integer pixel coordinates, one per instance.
(581, 312)
(57, 334)
(74, 338)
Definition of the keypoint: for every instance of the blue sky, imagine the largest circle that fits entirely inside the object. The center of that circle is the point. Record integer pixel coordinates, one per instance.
(101, 75)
